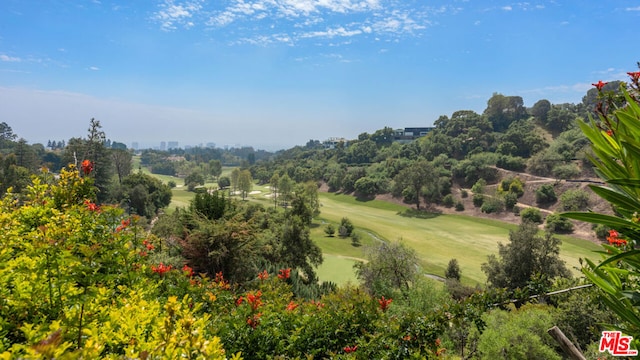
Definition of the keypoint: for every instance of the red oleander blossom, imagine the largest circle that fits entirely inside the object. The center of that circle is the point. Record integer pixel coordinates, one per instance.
(254, 299)
(599, 85)
(123, 225)
(284, 273)
(148, 245)
(263, 275)
(635, 75)
(87, 167)
(92, 206)
(615, 240)
(187, 270)
(384, 303)
(254, 321)
(291, 306)
(161, 268)
(350, 349)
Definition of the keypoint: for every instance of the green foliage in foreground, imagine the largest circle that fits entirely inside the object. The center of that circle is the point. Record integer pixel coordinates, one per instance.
(615, 139)
(80, 280)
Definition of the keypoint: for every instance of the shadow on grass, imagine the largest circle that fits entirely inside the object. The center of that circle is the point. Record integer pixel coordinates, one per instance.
(361, 198)
(420, 214)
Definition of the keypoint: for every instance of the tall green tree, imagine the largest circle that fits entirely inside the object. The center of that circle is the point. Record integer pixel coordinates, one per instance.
(274, 184)
(245, 183)
(215, 168)
(527, 254)
(286, 189)
(389, 267)
(503, 110)
(235, 176)
(412, 180)
(121, 162)
(144, 194)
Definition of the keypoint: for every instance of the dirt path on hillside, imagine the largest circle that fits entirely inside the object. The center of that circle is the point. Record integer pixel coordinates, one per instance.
(582, 230)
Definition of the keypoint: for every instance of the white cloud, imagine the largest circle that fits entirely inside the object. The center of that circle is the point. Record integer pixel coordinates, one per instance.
(94, 68)
(171, 14)
(8, 58)
(506, 8)
(264, 22)
(637, 8)
(330, 33)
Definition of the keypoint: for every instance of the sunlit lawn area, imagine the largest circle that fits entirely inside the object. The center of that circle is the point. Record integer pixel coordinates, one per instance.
(436, 238)
(440, 238)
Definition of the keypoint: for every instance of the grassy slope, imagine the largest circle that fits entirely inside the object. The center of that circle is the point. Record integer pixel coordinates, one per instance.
(440, 238)
(436, 240)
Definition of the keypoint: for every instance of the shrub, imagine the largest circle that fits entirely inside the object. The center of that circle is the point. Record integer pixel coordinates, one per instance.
(457, 290)
(505, 331)
(565, 171)
(459, 206)
(448, 200)
(346, 227)
(478, 199)
(602, 231)
(492, 205)
(545, 194)
(453, 270)
(531, 214)
(510, 200)
(478, 187)
(171, 184)
(574, 200)
(559, 224)
(464, 193)
(330, 230)
(355, 239)
(513, 163)
(224, 182)
(511, 185)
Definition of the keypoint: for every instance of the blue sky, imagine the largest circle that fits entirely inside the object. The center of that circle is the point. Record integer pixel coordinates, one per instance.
(276, 73)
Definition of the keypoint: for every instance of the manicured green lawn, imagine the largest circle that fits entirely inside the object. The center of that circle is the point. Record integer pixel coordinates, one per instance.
(440, 238)
(337, 269)
(436, 238)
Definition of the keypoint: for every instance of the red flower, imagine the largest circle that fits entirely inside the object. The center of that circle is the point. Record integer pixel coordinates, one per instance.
(148, 245)
(614, 239)
(187, 270)
(221, 282)
(350, 349)
(610, 132)
(142, 253)
(292, 306)
(123, 225)
(384, 303)
(91, 206)
(635, 76)
(263, 275)
(254, 321)
(87, 167)
(254, 299)
(239, 301)
(284, 273)
(599, 85)
(161, 268)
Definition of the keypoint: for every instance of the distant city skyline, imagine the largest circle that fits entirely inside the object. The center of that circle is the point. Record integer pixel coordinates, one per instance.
(273, 74)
